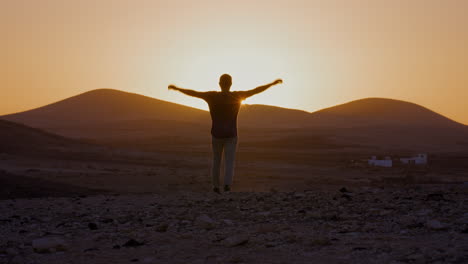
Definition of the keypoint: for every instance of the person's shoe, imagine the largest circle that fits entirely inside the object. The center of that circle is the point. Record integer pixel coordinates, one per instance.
(227, 188)
(216, 190)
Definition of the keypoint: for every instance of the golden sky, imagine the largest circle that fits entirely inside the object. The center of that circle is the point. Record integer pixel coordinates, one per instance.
(327, 52)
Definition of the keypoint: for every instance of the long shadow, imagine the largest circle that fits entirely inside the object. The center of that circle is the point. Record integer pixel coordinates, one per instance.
(18, 186)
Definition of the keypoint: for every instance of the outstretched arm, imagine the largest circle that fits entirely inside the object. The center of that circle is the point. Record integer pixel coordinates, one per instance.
(186, 91)
(261, 88)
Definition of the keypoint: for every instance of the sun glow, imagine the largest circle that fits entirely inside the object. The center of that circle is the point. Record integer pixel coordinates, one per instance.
(249, 67)
(327, 52)
(251, 59)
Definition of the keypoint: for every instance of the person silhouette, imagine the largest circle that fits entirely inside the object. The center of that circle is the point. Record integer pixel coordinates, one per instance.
(224, 107)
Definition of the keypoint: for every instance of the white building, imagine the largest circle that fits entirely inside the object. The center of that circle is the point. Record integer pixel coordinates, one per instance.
(387, 162)
(420, 159)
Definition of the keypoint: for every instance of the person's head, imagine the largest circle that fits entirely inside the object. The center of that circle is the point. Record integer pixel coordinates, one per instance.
(225, 82)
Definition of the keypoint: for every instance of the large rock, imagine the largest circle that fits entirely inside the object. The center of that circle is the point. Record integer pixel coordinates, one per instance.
(205, 222)
(49, 244)
(236, 240)
(133, 243)
(299, 195)
(162, 227)
(228, 222)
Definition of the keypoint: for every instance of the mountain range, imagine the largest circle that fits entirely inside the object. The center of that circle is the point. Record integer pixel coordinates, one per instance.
(114, 114)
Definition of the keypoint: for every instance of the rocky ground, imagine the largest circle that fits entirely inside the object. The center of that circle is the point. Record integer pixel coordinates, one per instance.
(418, 224)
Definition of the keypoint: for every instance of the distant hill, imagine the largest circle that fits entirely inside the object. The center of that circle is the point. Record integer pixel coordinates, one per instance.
(390, 124)
(108, 115)
(378, 112)
(20, 139)
(273, 117)
(103, 106)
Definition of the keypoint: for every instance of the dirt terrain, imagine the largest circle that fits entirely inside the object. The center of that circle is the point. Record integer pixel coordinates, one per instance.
(364, 225)
(126, 187)
(125, 206)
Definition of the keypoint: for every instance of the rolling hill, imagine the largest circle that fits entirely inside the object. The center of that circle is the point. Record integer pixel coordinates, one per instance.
(20, 139)
(107, 114)
(103, 106)
(372, 112)
(108, 106)
(268, 116)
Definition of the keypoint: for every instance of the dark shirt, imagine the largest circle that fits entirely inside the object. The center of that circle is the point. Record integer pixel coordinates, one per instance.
(224, 108)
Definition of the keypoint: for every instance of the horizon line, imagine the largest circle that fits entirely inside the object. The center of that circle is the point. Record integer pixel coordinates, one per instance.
(296, 109)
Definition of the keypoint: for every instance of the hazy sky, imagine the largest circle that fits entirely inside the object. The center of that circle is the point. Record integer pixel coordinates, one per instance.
(327, 52)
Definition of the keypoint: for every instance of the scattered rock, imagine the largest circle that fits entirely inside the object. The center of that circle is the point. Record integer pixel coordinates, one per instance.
(385, 212)
(359, 248)
(274, 190)
(264, 213)
(18, 260)
(436, 225)
(107, 220)
(228, 222)
(415, 257)
(92, 226)
(415, 225)
(424, 212)
(184, 221)
(299, 195)
(267, 228)
(271, 244)
(205, 222)
(211, 260)
(381, 226)
(148, 260)
(344, 190)
(162, 227)
(463, 219)
(236, 240)
(435, 197)
(11, 251)
(49, 244)
(91, 249)
(186, 236)
(319, 241)
(347, 196)
(464, 230)
(132, 243)
(237, 259)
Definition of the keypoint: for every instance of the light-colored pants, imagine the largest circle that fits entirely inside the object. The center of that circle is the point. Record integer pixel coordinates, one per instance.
(228, 146)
